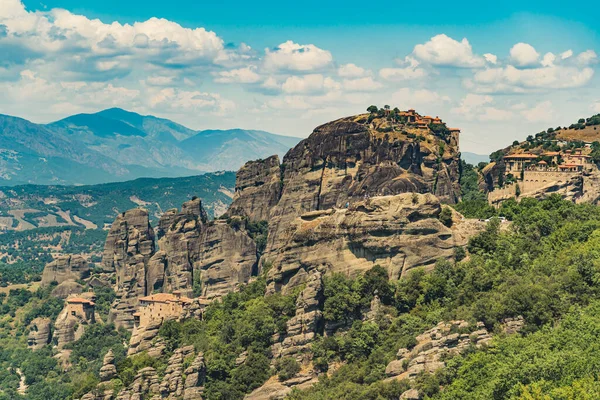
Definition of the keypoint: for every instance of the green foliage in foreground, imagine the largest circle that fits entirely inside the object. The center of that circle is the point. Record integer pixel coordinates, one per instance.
(242, 321)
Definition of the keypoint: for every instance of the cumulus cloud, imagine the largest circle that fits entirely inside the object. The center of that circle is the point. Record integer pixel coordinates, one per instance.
(442, 50)
(510, 79)
(409, 70)
(596, 107)
(313, 83)
(491, 58)
(290, 56)
(240, 75)
(540, 112)
(366, 84)
(411, 98)
(523, 55)
(89, 48)
(177, 99)
(352, 71)
(479, 107)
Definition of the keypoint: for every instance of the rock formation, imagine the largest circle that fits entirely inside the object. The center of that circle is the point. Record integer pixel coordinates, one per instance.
(257, 189)
(398, 232)
(108, 370)
(177, 383)
(76, 315)
(216, 255)
(64, 268)
(129, 247)
(446, 338)
(306, 323)
(39, 333)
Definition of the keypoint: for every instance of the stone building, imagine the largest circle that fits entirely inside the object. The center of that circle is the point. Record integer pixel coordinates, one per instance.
(160, 307)
(82, 308)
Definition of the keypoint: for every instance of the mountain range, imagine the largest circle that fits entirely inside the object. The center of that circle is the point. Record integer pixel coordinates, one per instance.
(118, 145)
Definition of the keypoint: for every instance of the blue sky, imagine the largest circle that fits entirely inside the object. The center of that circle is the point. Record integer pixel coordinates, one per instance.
(499, 74)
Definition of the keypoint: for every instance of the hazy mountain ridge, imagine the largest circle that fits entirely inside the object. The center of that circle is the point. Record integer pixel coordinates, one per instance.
(118, 145)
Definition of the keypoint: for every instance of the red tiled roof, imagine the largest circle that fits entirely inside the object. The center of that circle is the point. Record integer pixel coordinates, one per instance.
(80, 300)
(524, 155)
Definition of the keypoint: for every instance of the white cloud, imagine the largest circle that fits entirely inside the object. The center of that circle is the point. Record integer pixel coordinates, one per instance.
(491, 58)
(596, 107)
(566, 54)
(514, 80)
(523, 55)
(540, 112)
(352, 71)
(587, 57)
(76, 46)
(177, 99)
(313, 83)
(478, 107)
(366, 84)
(548, 60)
(442, 50)
(410, 70)
(240, 75)
(406, 98)
(291, 56)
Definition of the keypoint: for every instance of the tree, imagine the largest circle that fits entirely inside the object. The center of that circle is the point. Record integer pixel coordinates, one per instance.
(372, 109)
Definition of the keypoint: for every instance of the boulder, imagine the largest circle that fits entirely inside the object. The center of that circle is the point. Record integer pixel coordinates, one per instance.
(39, 333)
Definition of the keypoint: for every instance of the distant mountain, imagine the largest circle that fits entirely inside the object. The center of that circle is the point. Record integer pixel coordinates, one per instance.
(473, 158)
(118, 145)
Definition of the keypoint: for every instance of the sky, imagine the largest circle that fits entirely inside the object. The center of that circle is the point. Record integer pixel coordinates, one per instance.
(498, 73)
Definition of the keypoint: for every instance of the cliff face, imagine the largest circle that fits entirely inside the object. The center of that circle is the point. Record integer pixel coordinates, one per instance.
(214, 255)
(129, 247)
(257, 189)
(398, 232)
(64, 268)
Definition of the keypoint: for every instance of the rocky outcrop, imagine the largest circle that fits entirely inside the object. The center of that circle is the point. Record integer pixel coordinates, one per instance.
(145, 338)
(434, 345)
(227, 259)
(39, 333)
(146, 385)
(216, 255)
(108, 370)
(64, 268)
(347, 160)
(129, 247)
(73, 319)
(177, 383)
(257, 189)
(306, 323)
(66, 289)
(398, 232)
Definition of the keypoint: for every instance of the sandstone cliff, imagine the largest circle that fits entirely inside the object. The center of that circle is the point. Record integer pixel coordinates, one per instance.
(257, 189)
(398, 232)
(129, 247)
(64, 268)
(214, 255)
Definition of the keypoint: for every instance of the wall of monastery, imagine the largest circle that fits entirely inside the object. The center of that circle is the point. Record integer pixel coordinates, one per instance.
(535, 180)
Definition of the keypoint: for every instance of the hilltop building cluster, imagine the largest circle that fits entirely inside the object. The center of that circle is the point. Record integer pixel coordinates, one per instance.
(423, 122)
(527, 173)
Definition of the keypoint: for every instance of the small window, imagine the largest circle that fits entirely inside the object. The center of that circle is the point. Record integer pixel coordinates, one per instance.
(73, 313)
